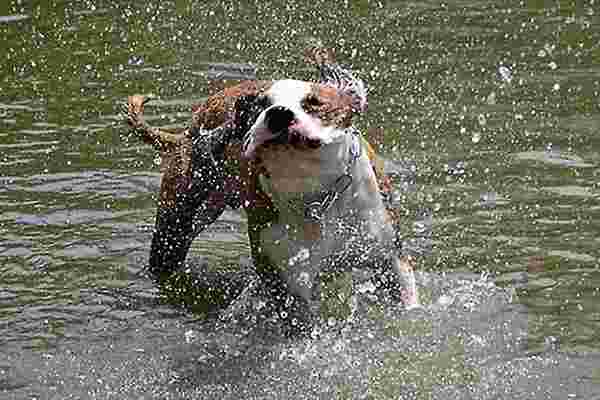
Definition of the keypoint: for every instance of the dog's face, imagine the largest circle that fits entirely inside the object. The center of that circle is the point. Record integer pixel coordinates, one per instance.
(300, 114)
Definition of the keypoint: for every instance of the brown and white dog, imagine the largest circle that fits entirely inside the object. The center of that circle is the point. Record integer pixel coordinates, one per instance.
(310, 184)
(304, 155)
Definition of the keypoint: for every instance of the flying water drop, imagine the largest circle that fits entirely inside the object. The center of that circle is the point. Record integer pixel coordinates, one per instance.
(505, 73)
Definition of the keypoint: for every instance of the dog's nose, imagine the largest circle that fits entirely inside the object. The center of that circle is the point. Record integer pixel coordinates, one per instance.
(278, 118)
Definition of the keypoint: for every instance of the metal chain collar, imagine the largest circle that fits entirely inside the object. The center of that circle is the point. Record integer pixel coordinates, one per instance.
(315, 210)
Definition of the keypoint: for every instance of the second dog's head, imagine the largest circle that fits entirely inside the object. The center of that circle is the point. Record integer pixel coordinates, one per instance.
(305, 115)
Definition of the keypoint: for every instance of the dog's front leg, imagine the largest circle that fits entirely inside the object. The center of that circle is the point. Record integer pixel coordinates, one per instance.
(378, 225)
(293, 259)
(300, 264)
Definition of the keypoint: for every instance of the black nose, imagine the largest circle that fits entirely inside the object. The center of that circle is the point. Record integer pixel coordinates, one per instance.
(278, 118)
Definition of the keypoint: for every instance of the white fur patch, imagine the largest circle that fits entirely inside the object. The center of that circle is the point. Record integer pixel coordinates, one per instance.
(289, 93)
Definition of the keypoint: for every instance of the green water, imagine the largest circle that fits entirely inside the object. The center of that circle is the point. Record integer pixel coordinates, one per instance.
(507, 164)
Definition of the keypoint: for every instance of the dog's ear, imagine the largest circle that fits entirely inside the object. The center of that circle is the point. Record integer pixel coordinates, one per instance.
(333, 106)
(219, 108)
(346, 83)
(244, 107)
(247, 110)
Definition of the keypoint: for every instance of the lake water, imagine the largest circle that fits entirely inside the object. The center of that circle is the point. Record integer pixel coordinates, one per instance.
(490, 112)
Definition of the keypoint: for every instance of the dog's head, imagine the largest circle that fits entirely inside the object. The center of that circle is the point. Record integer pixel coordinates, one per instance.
(305, 115)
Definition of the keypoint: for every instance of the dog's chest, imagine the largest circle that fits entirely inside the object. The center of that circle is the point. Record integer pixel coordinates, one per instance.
(333, 185)
(291, 170)
(292, 176)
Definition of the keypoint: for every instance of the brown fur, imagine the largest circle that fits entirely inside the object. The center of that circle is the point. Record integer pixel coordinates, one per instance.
(220, 107)
(175, 149)
(331, 106)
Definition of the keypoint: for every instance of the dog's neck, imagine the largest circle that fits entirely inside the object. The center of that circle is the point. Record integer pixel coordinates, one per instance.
(293, 175)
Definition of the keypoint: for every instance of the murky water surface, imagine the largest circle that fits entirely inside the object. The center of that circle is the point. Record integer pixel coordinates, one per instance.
(490, 112)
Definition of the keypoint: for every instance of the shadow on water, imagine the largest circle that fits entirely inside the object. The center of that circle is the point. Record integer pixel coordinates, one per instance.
(488, 114)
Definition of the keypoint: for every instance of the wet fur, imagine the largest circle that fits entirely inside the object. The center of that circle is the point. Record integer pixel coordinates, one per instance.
(186, 195)
(287, 172)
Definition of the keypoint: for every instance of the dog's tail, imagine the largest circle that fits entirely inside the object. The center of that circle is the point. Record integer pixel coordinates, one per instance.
(161, 139)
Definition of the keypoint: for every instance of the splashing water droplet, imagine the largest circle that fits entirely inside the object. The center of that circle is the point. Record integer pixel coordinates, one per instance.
(505, 73)
(190, 336)
(136, 60)
(549, 48)
(481, 119)
(552, 343)
(456, 168)
(488, 199)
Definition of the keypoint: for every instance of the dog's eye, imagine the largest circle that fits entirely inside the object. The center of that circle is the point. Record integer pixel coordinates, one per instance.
(263, 101)
(312, 102)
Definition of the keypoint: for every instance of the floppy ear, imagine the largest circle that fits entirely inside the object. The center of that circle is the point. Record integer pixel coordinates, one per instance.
(247, 109)
(220, 107)
(333, 106)
(346, 83)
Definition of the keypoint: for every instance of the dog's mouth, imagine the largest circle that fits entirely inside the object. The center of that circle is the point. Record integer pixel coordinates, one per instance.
(282, 126)
(294, 137)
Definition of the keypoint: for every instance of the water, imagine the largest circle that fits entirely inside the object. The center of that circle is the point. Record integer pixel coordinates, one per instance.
(488, 111)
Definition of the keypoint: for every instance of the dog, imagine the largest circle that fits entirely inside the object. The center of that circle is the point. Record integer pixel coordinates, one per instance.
(304, 156)
(310, 184)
